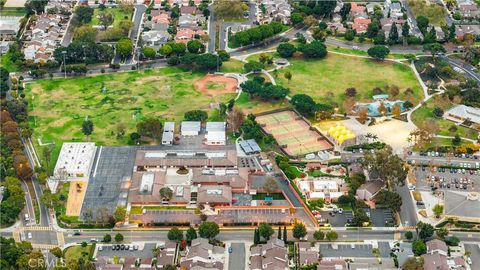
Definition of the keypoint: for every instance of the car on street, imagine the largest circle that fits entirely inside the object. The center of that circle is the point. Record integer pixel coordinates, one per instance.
(230, 250)
(469, 260)
(29, 235)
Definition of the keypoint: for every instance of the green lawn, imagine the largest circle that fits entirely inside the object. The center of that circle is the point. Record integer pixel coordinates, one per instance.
(232, 66)
(257, 106)
(13, 11)
(7, 63)
(76, 252)
(60, 106)
(335, 73)
(117, 13)
(425, 113)
(434, 13)
(361, 53)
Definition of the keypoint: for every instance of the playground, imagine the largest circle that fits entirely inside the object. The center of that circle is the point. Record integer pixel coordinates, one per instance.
(292, 133)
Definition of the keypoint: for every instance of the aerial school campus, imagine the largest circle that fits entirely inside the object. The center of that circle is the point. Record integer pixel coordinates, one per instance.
(240, 134)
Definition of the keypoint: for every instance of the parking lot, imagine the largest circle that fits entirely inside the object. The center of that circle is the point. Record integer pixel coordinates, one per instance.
(353, 250)
(254, 216)
(337, 220)
(168, 216)
(141, 252)
(379, 217)
(447, 179)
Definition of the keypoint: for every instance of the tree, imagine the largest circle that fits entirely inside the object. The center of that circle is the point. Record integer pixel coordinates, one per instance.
(174, 234)
(378, 52)
(120, 214)
(452, 240)
(434, 48)
(393, 35)
(456, 140)
(362, 115)
(107, 238)
(106, 19)
(84, 33)
(331, 235)
(360, 217)
(405, 30)
(437, 210)
(288, 75)
(304, 104)
(387, 164)
(286, 49)
(419, 248)
(372, 29)
(165, 50)
(390, 199)
(315, 49)
(318, 235)
(84, 14)
(442, 232)
(253, 66)
(208, 62)
(265, 230)
(408, 235)
(149, 52)
(299, 230)
(166, 193)
(279, 235)
(194, 46)
(355, 181)
(118, 237)
(256, 237)
(296, 18)
(380, 38)
(437, 112)
(191, 234)
(285, 234)
(87, 127)
(413, 263)
(235, 119)
(124, 47)
(350, 35)
(208, 229)
(270, 185)
(150, 127)
(396, 110)
(425, 230)
(351, 92)
(422, 23)
(57, 252)
(196, 115)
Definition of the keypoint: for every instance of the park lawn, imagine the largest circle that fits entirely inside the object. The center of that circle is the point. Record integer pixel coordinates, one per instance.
(360, 52)
(256, 106)
(60, 106)
(335, 73)
(437, 143)
(117, 13)
(76, 252)
(232, 66)
(425, 113)
(434, 13)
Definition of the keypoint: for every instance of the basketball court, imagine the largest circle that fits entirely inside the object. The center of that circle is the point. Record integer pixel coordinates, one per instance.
(293, 133)
(76, 194)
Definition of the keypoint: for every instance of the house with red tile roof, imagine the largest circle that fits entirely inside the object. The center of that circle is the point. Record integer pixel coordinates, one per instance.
(361, 24)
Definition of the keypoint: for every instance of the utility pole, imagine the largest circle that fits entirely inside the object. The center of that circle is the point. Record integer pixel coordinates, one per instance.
(64, 64)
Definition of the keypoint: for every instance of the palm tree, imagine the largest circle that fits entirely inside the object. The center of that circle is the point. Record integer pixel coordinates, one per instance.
(374, 137)
(156, 251)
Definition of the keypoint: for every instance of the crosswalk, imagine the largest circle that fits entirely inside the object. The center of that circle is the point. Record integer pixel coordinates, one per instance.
(43, 246)
(60, 239)
(36, 228)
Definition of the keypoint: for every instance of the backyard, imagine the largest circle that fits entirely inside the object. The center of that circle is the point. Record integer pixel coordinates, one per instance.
(435, 13)
(112, 101)
(330, 77)
(117, 13)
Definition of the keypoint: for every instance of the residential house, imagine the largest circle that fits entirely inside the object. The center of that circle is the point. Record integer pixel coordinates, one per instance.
(184, 35)
(337, 27)
(9, 27)
(168, 133)
(160, 16)
(372, 264)
(190, 128)
(190, 21)
(360, 24)
(370, 7)
(166, 255)
(192, 10)
(438, 261)
(276, 10)
(203, 254)
(369, 190)
(462, 30)
(308, 255)
(469, 10)
(155, 39)
(332, 264)
(394, 9)
(358, 11)
(272, 255)
(437, 246)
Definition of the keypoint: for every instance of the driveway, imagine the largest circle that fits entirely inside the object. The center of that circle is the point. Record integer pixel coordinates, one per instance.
(236, 260)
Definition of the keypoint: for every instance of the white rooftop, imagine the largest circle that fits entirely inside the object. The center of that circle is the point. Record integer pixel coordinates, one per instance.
(76, 158)
(320, 185)
(466, 112)
(215, 136)
(216, 126)
(169, 126)
(191, 126)
(146, 184)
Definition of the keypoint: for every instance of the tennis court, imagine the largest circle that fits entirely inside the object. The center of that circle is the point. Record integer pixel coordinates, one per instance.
(292, 133)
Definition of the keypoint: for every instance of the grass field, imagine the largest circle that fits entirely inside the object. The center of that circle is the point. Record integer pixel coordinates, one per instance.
(257, 106)
(232, 66)
(425, 113)
(434, 13)
(117, 13)
(336, 73)
(13, 11)
(76, 252)
(60, 106)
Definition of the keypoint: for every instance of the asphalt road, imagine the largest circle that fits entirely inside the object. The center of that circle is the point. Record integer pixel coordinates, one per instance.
(211, 30)
(413, 26)
(137, 23)
(467, 68)
(474, 250)
(236, 260)
(408, 215)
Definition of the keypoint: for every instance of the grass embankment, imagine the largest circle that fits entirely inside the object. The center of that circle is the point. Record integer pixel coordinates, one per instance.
(435, 13)
(117, 13)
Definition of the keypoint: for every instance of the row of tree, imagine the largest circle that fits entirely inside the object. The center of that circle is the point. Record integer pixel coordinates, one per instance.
(257, 34)
(314, 49)
(257, 87)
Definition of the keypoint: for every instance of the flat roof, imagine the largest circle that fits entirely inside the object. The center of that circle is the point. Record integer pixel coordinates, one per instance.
(216, 126)
(169, 126)
(462, 204)
(191, 126)
(250, 146)
(76, 158)
(167, 136)
(215, 136)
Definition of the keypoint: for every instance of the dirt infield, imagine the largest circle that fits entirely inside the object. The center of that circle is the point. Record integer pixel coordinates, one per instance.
(214, 85)
(293, 132)
(76, 193)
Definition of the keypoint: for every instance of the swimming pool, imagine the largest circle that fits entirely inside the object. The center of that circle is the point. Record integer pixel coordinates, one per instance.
(373, 107)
